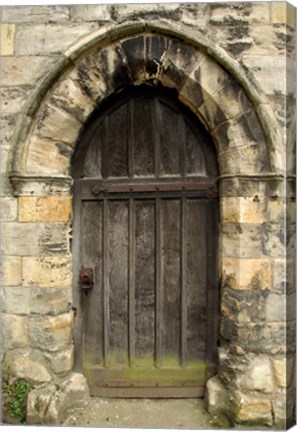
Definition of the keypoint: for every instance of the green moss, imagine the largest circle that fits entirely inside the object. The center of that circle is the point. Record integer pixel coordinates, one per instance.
(18, 393)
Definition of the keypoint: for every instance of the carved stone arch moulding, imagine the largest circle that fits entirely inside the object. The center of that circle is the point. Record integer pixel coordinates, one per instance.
(210, 83)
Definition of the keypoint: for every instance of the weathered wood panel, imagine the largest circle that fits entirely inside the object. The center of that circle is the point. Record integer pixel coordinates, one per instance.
(143, 144)
(196, 278)
(145, 283)
(169, 141)
(170, 282)
(194, 155)
(93, 159)
(116, 144)
(91, 227)
(118, 282)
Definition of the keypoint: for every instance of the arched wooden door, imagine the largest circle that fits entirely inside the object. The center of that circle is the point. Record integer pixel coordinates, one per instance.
(146, 227)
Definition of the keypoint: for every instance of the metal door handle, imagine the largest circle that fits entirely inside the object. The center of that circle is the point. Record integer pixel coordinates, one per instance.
(86, 278)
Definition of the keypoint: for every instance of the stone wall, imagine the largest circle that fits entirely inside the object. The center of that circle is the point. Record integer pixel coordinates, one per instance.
(238, 78)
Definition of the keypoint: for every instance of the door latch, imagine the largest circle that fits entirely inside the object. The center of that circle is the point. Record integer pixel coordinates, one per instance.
(86, 279)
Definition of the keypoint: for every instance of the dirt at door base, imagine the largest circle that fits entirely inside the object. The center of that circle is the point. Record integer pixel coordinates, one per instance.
(146, 413)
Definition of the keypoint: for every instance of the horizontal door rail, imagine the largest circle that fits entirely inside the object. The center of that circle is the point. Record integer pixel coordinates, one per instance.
(94, 188)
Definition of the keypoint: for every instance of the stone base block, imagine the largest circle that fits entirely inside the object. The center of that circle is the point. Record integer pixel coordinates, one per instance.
(49, 404)
(216, 398)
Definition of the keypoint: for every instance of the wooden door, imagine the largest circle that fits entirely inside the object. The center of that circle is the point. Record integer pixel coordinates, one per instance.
(146, 225)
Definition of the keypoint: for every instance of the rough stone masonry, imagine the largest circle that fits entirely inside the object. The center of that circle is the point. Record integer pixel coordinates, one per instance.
(233, 65)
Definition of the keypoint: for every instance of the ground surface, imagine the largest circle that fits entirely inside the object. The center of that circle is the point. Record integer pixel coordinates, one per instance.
(146, 413)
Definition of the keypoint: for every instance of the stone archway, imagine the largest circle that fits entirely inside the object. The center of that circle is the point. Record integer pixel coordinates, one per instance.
(243, 128)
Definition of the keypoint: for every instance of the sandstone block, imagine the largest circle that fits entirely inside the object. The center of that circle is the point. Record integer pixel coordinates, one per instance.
(7, 39)
(49, 404)
(51, 333)
(246, 273)
(260, 338)
(47, 272)
(258, 376)
(19, 239)
(276, 82)
(32, 239)
(12, 271)
(243, 159)
(131, 11)
(101, 13)
(23, 14)
(37, 39)
(248, 12)
(276, 308)
(15, 331)
(57, 156)
(243, 210)
(16, 71)
(253, 410)
(179, 60)
(24, 367)
(74, 393)
(16, 300)
(52, 300)
(38, 403)
(61, 362)
(283, 13)
(87, 74)
(284, 370)
(284, 409)
(241, 240)
(9, 209)
(56, 124)
(217, 397)
(243, 305)
(45, 209)
(69, 96)
(274, 240)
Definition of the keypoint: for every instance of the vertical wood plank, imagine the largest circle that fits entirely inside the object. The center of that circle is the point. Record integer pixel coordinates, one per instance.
(145, 283)
(130, 138)
(196, 281)
(92, 300)
(158, 337)
(182, 138)
(143, 131)
(156, 131)
(104, 145)
(183, 324)
(170, 282)
(169, 141)
(212, 282)
(194, 154)
(93, 158)
(118, 281)
(116, 151)
(131, 269)
(105, 281)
